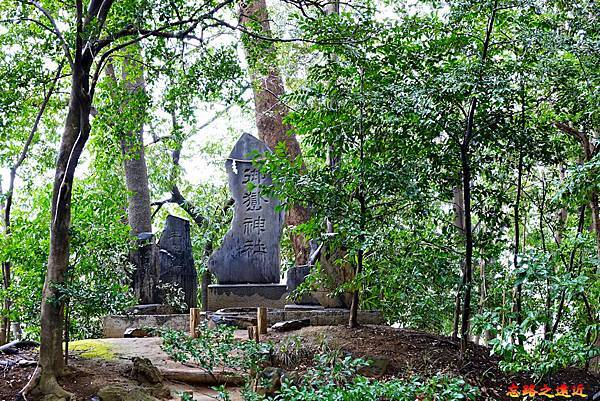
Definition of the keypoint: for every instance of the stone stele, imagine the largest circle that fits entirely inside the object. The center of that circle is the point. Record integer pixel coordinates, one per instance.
(250, 250)
(176, 259)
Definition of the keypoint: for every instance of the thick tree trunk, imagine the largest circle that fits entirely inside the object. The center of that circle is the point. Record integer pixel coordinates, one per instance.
(75, 135)
(144, 256)
(132, 146)
(136, 178)
(270, 111)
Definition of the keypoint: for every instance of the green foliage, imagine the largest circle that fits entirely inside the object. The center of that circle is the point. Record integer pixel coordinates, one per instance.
(337, 378)
(173, 295)
(215, 349)
(385, 95)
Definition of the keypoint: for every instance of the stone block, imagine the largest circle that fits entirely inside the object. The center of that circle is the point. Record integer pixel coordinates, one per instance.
(272, 296)
(114, 326)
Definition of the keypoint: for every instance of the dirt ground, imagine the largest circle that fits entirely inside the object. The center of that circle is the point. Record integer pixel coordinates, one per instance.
(395, 352)
(89, 373)
(406, 353)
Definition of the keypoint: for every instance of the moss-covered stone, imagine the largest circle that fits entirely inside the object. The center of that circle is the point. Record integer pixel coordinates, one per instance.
(92, 349)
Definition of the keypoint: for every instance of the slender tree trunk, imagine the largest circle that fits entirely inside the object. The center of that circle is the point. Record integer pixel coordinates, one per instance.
(569, 266)
(361, 196)
(6, 265)
(466, 175)
(468, 268)
(353, 318)
(589, 151)
(483, 297)
(270, 111)
(519, 288)
(595, 208)
(542, 209)
(4, 338)
(459, 222)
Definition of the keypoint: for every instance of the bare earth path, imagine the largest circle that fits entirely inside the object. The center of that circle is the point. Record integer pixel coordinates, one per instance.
(122, 350)
(98, 363)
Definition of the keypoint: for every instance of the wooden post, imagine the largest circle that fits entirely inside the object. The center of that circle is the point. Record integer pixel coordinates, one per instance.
(195, 317)
(253, 333)
(261, 320)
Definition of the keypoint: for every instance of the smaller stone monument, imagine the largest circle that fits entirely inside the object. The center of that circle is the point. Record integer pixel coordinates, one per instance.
(176, 259)
(247, 265)
(145, 276)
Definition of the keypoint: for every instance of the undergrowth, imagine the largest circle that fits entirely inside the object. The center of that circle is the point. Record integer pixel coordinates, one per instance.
(333, 375)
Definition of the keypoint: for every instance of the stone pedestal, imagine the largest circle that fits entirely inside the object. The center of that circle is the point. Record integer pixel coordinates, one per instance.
(222, 296)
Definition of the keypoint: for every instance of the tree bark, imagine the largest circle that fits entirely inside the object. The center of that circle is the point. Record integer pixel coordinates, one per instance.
(144, 255)
(468, 264)
(132, 147)
(459, 222)
(4, 338)
(75, 135)
(519, 288)
(139, 214)
(466, 176)
(270, 111)
(589, 151)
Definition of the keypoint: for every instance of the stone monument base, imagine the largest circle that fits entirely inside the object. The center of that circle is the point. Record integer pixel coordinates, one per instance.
(116, 325)
(222, 296)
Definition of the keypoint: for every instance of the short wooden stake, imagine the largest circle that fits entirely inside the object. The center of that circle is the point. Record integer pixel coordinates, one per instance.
(261, 320)
(195, 317)
(253, 333)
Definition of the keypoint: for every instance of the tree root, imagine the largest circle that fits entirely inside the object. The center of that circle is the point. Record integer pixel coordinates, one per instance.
(46, 385)
(31, 384)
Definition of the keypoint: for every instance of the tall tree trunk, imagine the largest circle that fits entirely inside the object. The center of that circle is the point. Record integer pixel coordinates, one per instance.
(569, 266)
(466, 176)
(4, 338)
(589, 151)
(468, 266)
(144, 257)
(542, 209)
(595, 208)
(132, 147)
(75, 135)
(270, 111)
(361, 196)
(458, 204)
(519, 288)
(6, 265)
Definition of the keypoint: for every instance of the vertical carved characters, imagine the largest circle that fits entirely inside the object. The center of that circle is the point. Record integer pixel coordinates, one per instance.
(250, 250)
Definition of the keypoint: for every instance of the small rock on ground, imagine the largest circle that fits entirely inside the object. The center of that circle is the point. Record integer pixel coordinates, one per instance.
(290, 325)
